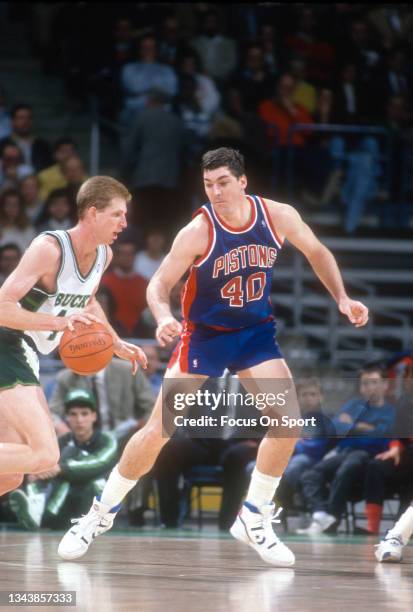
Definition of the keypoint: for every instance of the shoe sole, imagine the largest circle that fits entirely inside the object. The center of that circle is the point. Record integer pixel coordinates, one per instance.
(239, 533)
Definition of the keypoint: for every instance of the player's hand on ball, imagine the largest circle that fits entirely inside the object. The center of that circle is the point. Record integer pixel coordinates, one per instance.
(357, 313)
(79, 317)
(132, 353)
(167, 330)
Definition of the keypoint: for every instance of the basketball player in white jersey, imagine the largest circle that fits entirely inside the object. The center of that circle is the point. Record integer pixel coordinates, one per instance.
(52, 288)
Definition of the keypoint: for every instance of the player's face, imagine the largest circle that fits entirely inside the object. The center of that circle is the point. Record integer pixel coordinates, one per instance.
(111, 221)
(223, 189)
(81, 420)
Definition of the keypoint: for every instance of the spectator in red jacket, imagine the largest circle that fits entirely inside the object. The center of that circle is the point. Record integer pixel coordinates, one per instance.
(127, 288)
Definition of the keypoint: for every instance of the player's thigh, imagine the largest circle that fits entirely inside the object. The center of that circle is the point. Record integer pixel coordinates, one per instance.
(273, 380)
(25, 410)
(273, 368)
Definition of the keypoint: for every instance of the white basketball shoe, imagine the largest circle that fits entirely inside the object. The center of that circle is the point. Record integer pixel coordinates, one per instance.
(77, 540)
(253, 526)
(389, 550)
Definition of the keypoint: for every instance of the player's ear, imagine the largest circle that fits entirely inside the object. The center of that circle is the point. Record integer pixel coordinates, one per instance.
(243, 181)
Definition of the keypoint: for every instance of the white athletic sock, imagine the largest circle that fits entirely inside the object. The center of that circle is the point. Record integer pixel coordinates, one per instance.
(262, 488)
(404, 526)
(116, 488)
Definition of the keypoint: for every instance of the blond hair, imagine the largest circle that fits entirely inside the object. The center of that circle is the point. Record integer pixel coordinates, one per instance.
(98, 191)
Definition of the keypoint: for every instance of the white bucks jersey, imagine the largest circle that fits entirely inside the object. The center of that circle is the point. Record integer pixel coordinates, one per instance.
(72, 294)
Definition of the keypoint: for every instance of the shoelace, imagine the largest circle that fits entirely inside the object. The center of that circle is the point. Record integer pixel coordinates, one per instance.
(398, 540)
(265, 522)
(89, 523)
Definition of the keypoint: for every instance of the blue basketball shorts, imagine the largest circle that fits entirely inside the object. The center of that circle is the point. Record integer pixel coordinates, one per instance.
(207, 351)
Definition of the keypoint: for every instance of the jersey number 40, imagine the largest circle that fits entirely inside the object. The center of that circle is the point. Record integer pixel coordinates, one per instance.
(254, 289)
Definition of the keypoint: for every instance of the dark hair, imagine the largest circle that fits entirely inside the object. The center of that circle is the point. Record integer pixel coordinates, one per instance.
(373, 367)
(63, 141)
(10, 246)
(305, 383)
(224, 156)
(21, 220)
(18, 107)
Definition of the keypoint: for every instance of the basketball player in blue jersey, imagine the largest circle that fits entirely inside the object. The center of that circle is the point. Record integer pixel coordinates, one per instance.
(229, 247)
(52, 288)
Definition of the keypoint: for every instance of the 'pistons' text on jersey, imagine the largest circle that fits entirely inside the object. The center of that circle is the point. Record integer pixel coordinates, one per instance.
(229, 286)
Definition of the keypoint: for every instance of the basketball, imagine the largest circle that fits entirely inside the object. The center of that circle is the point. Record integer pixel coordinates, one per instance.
(87, 349)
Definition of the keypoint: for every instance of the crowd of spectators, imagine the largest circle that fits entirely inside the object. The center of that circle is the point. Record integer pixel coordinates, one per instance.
(206, 74)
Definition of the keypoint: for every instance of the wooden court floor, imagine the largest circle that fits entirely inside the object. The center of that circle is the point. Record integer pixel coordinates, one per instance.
(205, 573)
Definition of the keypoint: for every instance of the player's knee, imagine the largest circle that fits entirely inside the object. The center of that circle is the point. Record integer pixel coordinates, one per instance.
(45, 459)
(10, 482)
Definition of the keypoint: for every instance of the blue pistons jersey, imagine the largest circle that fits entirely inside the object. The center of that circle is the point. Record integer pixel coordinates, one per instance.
(229, 286)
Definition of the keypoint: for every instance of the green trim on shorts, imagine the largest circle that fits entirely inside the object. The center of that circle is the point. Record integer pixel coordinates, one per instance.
(15, 368)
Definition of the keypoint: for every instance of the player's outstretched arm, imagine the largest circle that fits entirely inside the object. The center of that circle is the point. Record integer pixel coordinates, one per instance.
(40, 261)
(291, 226)
(190, 243)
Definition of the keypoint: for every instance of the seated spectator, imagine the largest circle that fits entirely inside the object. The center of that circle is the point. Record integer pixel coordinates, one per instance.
(12, 167)
(206, 92)
(283, 112)
(253, 79)
(10, 255)
(147, 73)
(150, 258)
(36, 151)
(361, 50)
(127, 287)
(180, 454)
(33, 203)
(52, 177)
(307, 41)
(5, 119)
(393, 80)
(86, 457)
(57, 212)
(14, 224)
(305, 94)
(390, 472)
(75, 174)
(350, 97)
(314, 444)
(123, 401)
(366, 415)
(218, 52)
(270, 45)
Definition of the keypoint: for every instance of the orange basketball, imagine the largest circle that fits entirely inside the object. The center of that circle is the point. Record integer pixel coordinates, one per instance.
(88, 349)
